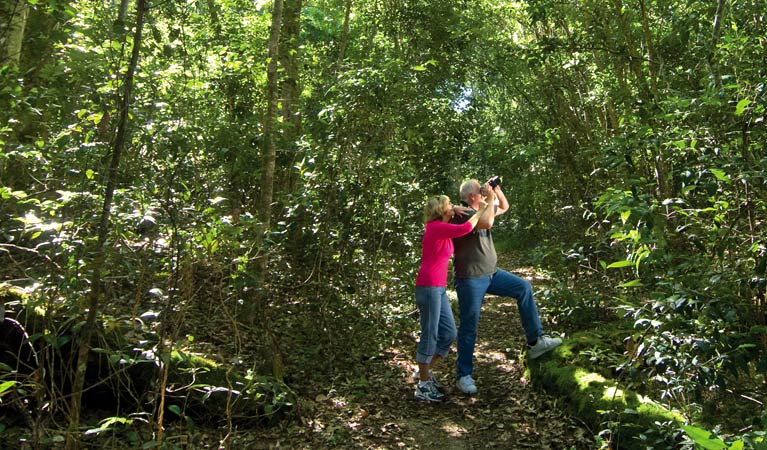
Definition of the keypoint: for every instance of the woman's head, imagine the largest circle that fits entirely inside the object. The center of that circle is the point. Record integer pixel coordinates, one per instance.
(436, 208)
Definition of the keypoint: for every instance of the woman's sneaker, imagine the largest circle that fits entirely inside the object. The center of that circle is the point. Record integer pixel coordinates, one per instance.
(426, 391)
(543, 345)
(437, 384)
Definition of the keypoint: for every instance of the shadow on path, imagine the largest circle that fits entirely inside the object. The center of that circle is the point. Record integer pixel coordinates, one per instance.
(378, 411)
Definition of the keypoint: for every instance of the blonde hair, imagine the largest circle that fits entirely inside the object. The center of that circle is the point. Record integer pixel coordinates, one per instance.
(436, 207)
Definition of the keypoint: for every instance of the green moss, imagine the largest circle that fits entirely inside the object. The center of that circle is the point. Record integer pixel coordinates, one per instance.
(11, 293)
(594, 397)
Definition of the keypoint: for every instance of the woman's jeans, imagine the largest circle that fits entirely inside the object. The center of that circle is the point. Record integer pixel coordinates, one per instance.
(471, 292)
(437, 323)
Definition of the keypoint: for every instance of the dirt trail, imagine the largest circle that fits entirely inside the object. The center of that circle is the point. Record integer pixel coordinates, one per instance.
(379, 411)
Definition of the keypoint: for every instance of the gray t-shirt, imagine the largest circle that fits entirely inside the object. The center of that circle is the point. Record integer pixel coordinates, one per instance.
(474, 252)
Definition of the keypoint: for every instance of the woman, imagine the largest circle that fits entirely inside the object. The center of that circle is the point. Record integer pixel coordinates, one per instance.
(437, 323)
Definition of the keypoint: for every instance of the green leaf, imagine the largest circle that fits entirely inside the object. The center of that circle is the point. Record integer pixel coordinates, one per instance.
(742, 346)
(703, 439)
(619, 264)
(419, 68)
(175, 409)
(741, 106)
(5, 386)
(720, 175)
(632, 283)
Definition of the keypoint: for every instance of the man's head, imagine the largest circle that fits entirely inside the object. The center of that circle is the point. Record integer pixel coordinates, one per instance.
(471, 192)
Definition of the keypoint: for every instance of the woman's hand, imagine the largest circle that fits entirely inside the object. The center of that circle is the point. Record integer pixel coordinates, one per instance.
(460, 211)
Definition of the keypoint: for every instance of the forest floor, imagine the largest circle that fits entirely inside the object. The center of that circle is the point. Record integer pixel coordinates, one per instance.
(376, 409)
(372, 406)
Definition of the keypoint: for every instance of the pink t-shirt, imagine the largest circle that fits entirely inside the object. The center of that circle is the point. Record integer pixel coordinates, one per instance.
(436, 250)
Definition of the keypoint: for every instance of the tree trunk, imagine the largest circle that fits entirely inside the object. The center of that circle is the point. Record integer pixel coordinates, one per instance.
(715, 39)
(258, 307)
(73, 439)
(634, 57)
(290, 92)
(18, 11)
(650, 45)
(270, 121)
(344, 35)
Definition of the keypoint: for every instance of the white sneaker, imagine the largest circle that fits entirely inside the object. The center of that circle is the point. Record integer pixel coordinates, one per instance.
(543, 345)
(466, 385)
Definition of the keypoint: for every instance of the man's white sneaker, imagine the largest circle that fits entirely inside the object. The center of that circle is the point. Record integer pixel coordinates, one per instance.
(466, 385)
(543, 345)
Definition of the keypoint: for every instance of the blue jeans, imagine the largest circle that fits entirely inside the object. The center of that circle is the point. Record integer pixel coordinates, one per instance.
(471, 292)
(437, 323)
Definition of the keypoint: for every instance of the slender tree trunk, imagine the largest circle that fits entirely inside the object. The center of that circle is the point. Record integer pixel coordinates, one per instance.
(258, 307)
(344, 35)
(715, 35)
(635, 58)
(270, 130)
(290, 92)
(18, 11)
(73, 439)
(122, 13)
(650, 45)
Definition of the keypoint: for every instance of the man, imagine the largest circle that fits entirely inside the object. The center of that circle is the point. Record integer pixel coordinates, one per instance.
(476, 274)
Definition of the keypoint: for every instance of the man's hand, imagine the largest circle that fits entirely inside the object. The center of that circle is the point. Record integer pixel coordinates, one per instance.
(489, 193)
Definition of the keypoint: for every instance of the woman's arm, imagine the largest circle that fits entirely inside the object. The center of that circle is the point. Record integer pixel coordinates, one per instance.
(474, 220)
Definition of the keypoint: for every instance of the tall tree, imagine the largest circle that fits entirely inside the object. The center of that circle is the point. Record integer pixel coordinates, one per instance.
(259, 308)
(290, 93)
(94, 298)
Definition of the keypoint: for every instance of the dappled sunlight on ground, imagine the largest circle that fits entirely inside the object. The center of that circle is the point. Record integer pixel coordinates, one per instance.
(379, 411)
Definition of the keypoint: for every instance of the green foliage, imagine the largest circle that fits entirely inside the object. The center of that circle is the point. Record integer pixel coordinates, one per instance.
(572, 371)
(703, 439)
(630, 141)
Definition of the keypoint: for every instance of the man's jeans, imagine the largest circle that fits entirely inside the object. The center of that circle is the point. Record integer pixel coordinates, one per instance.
(437, 323)
(471, 293)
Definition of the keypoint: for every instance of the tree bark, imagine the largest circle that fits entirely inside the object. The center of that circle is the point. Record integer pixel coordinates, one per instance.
(634, 57)
(290, 92)
(344, 35)
(270, 121)
(73, 438)
(650, 45)
(715, 35)
(14, 37)
(258, 307)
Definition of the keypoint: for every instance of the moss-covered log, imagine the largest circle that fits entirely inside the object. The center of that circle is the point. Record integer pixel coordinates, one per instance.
(203, 388)
(596, 399)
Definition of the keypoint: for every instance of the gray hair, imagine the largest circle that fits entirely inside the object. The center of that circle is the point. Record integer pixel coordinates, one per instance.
(469, 187)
